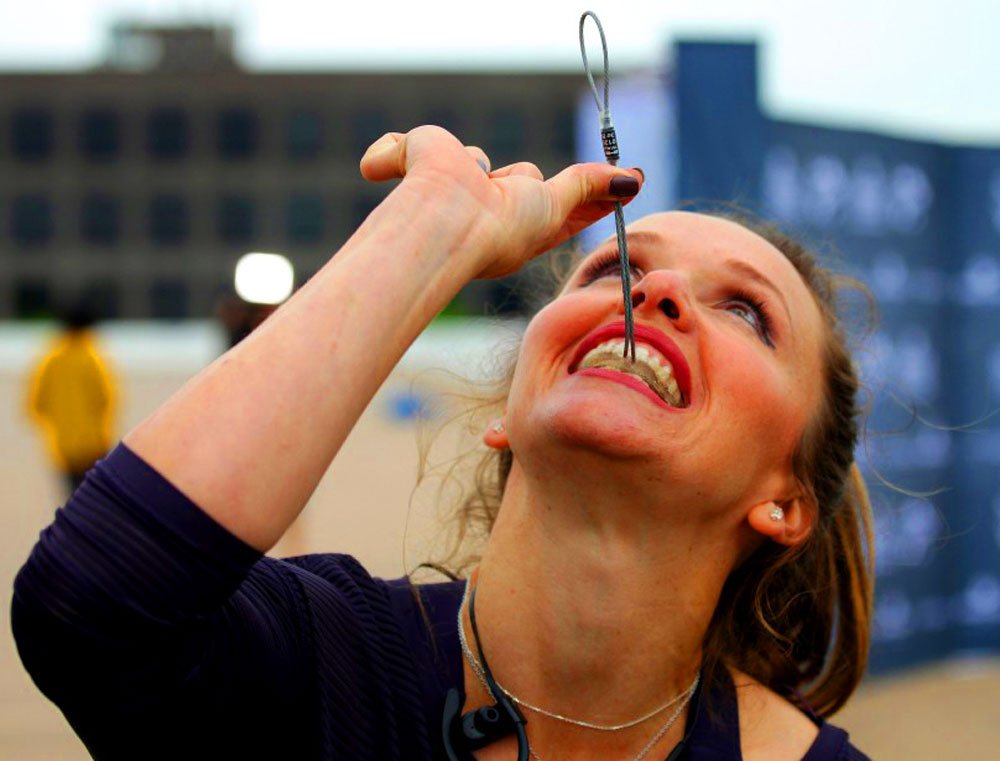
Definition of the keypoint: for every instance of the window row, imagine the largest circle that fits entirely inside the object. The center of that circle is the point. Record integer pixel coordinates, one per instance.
(99, 219)
(166, 298)
(168, 133)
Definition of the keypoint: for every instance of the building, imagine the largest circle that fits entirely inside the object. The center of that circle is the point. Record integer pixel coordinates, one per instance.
(138, 184)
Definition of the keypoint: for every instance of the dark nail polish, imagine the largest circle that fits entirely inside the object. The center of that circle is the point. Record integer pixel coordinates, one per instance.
(639, 170)
(623, 187)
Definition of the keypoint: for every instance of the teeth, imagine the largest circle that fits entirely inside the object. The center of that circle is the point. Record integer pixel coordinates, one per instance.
(650, 367)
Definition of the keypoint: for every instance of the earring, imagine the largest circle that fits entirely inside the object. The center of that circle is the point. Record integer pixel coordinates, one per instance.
(498, 427)
(776, 514)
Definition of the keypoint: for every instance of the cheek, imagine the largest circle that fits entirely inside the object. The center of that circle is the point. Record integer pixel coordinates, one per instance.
(566, 317)
(763, 407)
(550, 328)
(555, 330)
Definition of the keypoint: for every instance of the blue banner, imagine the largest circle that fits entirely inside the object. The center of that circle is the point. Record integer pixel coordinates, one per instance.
(919, 224)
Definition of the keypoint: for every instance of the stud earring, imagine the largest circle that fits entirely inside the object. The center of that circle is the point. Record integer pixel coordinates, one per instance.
(776, 514)
(498, 427)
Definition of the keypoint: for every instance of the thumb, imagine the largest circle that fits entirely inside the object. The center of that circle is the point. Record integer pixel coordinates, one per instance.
(385, 159)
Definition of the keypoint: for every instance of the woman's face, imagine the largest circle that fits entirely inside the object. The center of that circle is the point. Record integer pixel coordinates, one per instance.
(728, 375)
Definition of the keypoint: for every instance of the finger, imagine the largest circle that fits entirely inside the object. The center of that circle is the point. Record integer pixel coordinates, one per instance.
(585, 183)
(385, 159)
(480, 156)
(520, 169)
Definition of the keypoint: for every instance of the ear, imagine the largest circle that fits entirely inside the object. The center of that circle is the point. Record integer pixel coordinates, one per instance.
(495, 435)
(788, 522)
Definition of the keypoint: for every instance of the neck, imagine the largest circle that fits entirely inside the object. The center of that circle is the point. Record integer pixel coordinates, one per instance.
(593, 607)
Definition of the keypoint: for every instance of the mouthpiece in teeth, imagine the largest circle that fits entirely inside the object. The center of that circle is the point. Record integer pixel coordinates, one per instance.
(651, 367)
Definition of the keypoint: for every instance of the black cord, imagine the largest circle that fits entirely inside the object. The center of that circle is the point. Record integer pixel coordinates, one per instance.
(609, 141)
(523, 748)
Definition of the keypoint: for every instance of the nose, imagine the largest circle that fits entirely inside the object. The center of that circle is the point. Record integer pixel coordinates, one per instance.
(664, 292)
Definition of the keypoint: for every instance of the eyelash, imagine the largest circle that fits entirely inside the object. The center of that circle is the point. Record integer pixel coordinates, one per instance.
(609, 263)
(759, 309)
(604, 265)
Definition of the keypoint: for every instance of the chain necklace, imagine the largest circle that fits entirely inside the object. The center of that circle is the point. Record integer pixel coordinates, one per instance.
(683, 698)
(661, 731)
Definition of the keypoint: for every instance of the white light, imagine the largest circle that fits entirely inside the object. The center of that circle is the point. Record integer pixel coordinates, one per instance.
(264, 278)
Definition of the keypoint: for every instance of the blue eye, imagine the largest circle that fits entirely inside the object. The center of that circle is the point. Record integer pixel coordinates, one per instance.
(752, 311)
(748, 314)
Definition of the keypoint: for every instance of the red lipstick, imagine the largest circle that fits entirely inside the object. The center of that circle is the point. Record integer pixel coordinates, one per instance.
(643, 334)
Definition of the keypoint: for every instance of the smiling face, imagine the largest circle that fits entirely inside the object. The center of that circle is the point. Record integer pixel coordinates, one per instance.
(730, 376)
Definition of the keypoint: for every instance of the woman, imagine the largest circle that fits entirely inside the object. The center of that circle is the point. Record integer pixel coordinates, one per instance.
(641, 507)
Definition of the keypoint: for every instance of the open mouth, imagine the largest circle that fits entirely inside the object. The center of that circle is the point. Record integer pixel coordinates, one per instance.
(659, 364)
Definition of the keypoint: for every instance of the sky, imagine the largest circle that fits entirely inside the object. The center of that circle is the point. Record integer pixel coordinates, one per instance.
(920, 68)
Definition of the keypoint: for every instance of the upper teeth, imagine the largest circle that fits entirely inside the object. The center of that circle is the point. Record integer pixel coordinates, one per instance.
(650, 367)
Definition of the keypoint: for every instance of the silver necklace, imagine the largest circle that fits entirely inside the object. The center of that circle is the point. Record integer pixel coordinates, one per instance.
(661, 731)
(683, 698)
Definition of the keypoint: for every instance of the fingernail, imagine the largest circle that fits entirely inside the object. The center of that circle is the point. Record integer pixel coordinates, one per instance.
(639, 170)
(483, 165)
(381, 145)
(623, 187)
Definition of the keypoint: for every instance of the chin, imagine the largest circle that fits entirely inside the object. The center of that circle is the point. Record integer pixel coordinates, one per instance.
(588, 421)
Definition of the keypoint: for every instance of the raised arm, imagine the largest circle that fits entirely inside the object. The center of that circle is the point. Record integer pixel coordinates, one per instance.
(249, 437)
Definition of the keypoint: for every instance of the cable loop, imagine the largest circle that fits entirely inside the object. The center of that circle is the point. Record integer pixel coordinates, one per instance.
(609, 141)
(586, 64)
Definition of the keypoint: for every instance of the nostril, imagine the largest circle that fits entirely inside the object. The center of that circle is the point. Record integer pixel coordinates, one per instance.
(670, 309)
(638, 298)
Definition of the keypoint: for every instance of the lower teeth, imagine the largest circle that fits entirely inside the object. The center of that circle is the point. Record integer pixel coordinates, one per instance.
(645, 382)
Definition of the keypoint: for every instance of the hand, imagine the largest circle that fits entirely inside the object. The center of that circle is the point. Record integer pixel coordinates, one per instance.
(509, 215)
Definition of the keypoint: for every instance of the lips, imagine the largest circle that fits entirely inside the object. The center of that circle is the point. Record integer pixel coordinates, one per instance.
(643, 334)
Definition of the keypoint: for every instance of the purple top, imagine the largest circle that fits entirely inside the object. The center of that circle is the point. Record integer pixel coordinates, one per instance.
(160, 635)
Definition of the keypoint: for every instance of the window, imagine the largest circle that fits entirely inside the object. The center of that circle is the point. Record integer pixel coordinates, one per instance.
(444, 116)
(31, 222)
(32, 298)
(504, 297)
(304, 218)
(237, 133)
(103, 298)
(168, 134)
(31, 134)
(367, 126)
(363, 206)
(506, 137)
(304, 134)
(563, 136)
(100, 220)
(169, 221)
(98, 137)
(235, 219)
(168, 299)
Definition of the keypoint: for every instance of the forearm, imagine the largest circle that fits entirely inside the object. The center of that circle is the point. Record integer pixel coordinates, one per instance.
(249, 438)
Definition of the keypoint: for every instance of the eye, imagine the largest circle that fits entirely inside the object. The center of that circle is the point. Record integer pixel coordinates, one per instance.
(607, 265)
(753, 311)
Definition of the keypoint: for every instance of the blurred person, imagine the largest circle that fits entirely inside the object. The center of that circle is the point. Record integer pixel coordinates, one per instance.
(72, 397)
(240, 318)
(678, 554)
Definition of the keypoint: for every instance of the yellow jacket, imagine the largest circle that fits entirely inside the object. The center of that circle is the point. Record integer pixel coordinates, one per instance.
(71, 397)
